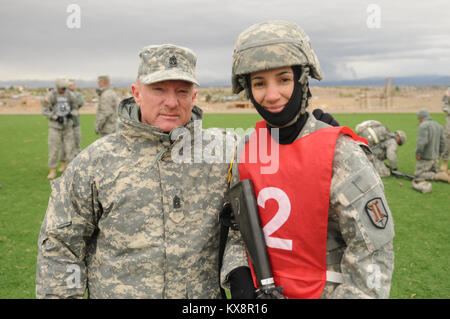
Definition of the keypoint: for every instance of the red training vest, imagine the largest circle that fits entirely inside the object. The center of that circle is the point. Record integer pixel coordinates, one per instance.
(293, 205)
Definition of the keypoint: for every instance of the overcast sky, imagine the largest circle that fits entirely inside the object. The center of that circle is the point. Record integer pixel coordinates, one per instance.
(352, 38)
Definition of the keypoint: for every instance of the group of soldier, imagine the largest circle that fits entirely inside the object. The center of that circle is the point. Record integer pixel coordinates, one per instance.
(432, 150)
(61, 106)
(129, 220)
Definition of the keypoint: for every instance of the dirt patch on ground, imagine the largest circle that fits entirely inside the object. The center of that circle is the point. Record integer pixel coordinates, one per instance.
(221, 100)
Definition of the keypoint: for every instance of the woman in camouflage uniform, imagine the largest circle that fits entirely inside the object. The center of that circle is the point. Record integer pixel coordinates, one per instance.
(332, 235)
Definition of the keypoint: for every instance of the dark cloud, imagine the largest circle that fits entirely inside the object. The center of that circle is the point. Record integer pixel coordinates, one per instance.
(36, 42)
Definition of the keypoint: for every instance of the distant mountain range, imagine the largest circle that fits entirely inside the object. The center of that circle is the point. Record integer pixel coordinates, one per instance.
(425, 80)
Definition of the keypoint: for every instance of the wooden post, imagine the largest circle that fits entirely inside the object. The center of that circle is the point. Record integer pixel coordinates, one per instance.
(388, 92)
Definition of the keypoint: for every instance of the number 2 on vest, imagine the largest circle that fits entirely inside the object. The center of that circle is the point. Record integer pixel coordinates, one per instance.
(281, 216)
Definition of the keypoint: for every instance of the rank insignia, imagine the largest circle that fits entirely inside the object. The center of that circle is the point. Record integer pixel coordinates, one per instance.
(377, 212)
(173, 61)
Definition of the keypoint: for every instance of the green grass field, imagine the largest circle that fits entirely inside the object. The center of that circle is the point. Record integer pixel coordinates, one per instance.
(421, 220)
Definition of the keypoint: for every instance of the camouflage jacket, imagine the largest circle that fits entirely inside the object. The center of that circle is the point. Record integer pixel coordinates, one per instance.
(383, 145)
(356, 248)
(106, 114)
(445, 106)
(49, 108)
(75, 112)
(128, 221)
(430, 140)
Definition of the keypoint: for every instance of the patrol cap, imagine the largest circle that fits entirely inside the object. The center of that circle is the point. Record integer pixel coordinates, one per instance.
(103, 78)
(167, 62)
(422, 114)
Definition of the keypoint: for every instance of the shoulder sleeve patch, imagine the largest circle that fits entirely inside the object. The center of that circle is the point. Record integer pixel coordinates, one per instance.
(376, 210)
(365, 194)
(375, 219)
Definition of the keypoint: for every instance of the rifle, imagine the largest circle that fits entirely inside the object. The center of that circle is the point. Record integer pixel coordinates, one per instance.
(404, 175)
(398, 174)
(246, 218)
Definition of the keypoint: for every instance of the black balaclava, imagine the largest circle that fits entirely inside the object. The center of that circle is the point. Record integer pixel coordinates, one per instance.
(287, 134)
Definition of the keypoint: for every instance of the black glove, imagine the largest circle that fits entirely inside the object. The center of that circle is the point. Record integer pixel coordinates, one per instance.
(60, 120)
(241, 284)
(325, 117)
(271, 293)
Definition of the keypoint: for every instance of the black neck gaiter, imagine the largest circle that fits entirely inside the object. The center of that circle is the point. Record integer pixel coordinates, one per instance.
(287, 134)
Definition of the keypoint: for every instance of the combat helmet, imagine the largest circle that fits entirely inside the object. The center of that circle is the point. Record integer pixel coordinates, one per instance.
(61, 83)
(402, 136)
(270, 45)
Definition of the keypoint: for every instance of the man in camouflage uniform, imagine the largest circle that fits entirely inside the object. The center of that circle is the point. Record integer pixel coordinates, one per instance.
(76, 124)
(383, 144)
(128, 219)
(76, 116)
(359, 245)
(106, 114)
(58, 106)
(445, 105)
(430, 146)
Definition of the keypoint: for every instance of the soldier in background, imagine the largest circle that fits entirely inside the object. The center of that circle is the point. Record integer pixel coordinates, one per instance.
(57, 106)
(445, 105)
(430, 146)
(383, 144)
(106, 115)
(76, 117)
(76, 125)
